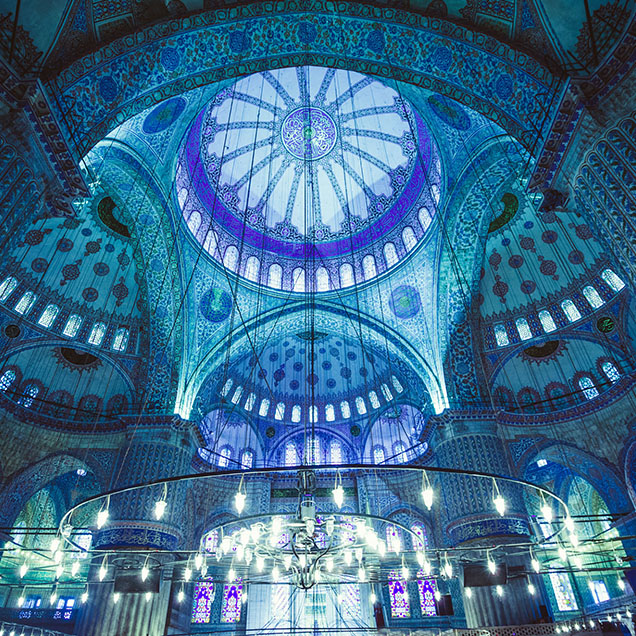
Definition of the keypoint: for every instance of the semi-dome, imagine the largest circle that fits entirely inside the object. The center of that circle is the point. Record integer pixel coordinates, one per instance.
(308, 179)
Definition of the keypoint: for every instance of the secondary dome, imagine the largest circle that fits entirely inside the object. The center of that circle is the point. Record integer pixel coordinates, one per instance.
(308, 178)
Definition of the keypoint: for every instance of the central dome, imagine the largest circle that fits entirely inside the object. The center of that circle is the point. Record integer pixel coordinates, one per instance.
(307, 164)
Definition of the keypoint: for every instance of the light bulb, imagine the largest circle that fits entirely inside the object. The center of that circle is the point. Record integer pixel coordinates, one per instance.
(546, 511)
(438, 595)
(591, 623)
(569, 523)
(59, 570)
(275, 574)
(492, 566)
(160, 508)
(359, 553)
(362, 575)
(428, 495)
(198, 560)
(448, 569)
(244, 598)
(427, 567)
(469, 592)
(405, 573)
(84, 597)
(148, 596)
(260, 563)
(102, 518)
(557, 629)
(24, 568)
(536, 566)
(574, 540)
(287, 561)
(373, 598)
(55, 544)
(180, 596)
(329, 564)
(102, 572)
(255, 531)
(347, 557)
(53, 597)
(277, 526)
(144, 572)
(75, 568)
(302, 560)
(187, 574)
(381, 548)
(338, 495)
(231, 575)
(239, 501)
(563, 555)
(57, 556)
(116, 597)
(420, 558)
(500, 505)
(240, 552)
(531, 589)
(499, 590)
(577, 626)
(621, 584)
(578, 562)
(226, 545)
(21, 600)
(318, 575)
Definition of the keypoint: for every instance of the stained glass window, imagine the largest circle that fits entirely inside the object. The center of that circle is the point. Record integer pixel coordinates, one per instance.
(237, 395)
(427, 589)
(612, 373)
(312, 452)
(420, 540)
(313, 413)
(390, 255)
(25, 303)
(398, 591)
(97, 334)
(408, 237)
(388, 396)
(30, 393)
(378, 454)
(587, 386)
(566, 602)
(7, 379)
(348, 535)
(249, 403)
(361, 407)
(295, 413)
(322, 279)
(373, 398)
(608, 275)
(547, 322)
(247, 459)
(291, 454)
(350, 606)
(7, 287)
(224, 459)
(279, 411)
(252, 268)
(599, 591)
(202, 604)
(399, 450)
(330, 413)
(523, 328)
(570, 310)
(298, 278)
(335, 452)
(231, 608)
(120, 341)
(84, 540)
(280, 600)
(368, 267)
(501, 336)
(393, 539)
(72, 325)
(212, 541)
(264, 407)
(345, 409)
(346, 275)
(231, 257)
(275, 276)
(48, 315)
(592, 296)
(227, 386)
(396, 384)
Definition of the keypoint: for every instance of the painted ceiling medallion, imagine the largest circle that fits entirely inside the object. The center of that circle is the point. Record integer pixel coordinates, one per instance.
(308, 133)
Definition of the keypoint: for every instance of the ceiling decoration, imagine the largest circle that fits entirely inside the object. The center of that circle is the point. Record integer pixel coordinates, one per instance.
(323, 165)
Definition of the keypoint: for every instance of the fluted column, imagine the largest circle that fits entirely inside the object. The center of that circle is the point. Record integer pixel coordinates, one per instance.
(155, 451)
(469, 441)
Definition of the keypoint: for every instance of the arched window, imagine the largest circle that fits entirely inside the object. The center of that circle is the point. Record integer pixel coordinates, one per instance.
(420, 540)
(97, 334)
(345, 409)
(212, 541)
(298, 280)
(501, 336)
(7, 379)
(396, 384)
(30, 393)
(252, 268)
(120, 341)
(247, 459)
(388, 396)
(378, 455)
(312, 453)
(48, 315)
(610, 370)
(291, 454)
(393, 539)
(72, 326)
(373, 398)
(408, 238)
(592, 297)
(231, 607)
(399, 451)
(84, 540)
(425, 218)
(346, 275)
(275, 276)
(249, 403)
(523, 328)
(230, 259)
(295, 416)
(335, 452)
(399, 596)
(330, 413)
(435, 192)
(547, 322)
(427, 588)
(227, 386)
(563, 592)
(390, 255)
(204, 592)
(23, 306)
(211, 242)
(587, 386)
(263, 408)
(368, 267)
(322, 279)
(361, 407)
(194, 222)
(570, 310)
(7, 287)
(279, 412)
(608, 275)
(313, 413)
(224, 457)
(238, 392)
